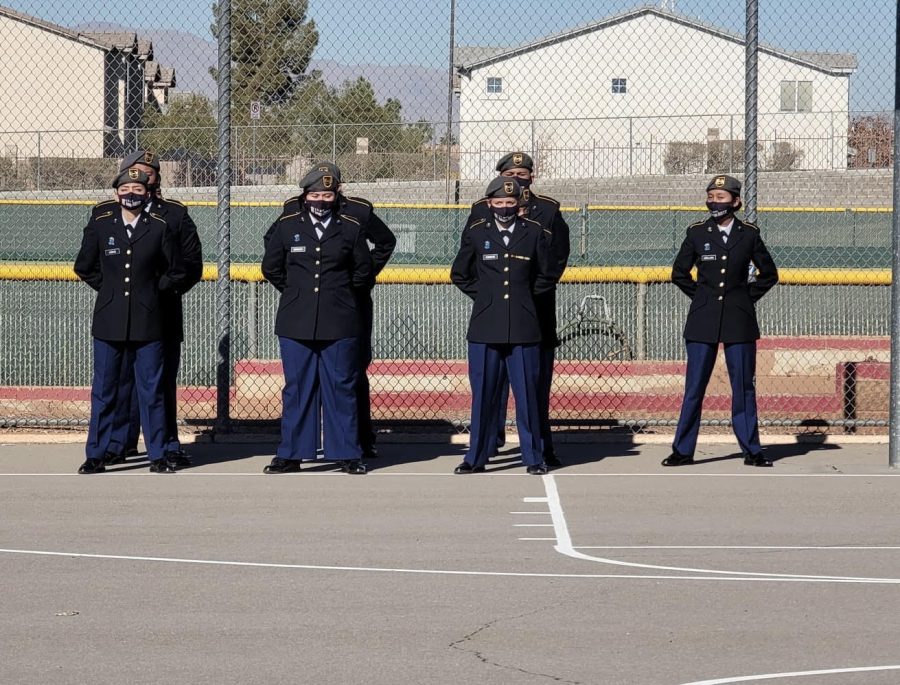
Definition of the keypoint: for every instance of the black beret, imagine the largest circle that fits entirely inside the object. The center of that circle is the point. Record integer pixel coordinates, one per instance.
(140, 157)
(515, 160)
(328, 168)
(723, 182)
(503, 186)
(318, 180)
(131, 176)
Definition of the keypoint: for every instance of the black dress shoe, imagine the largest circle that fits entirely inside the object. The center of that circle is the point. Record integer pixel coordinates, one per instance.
(552, 460)
(178, 460)
(676, 459)
(161, 466)
(279, 465)
(131, 452)
(353, 467)
(537, 469)
(466, 467)
(92, 466)
(757, 460)
(110, 459)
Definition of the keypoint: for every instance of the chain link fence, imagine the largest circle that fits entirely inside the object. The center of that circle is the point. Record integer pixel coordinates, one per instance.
(627, 109)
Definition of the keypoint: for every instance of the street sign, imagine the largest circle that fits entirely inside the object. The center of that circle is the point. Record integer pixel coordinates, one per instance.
(255, 109)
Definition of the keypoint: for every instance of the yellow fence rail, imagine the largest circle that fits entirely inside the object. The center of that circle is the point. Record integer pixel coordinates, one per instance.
(440, 275)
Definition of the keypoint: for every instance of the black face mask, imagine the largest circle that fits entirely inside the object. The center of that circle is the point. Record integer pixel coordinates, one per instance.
(321, 209)
(505, 214)
(524, 183)
(133, 201)
(719, 210)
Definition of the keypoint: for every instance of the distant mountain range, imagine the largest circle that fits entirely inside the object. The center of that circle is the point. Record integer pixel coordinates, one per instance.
(422, 91)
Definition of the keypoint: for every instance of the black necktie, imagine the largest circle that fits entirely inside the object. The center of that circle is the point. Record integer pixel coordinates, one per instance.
(506, 235)
(724, 235)
(320, 229)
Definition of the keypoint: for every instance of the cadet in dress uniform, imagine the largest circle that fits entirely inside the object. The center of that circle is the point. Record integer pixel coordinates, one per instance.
(723, 300)
(545, 211)
(502, 264)
(317, 259)
(383, 242)
(126, 427)
(132, 259)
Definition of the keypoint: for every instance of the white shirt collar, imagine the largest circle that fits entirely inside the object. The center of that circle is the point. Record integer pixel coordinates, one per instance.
(727, 227)
(316, 220)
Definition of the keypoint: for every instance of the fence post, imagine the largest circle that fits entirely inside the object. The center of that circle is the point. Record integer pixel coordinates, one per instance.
(253, 320)
(894, 430)
(584, 230)
(450, 79)
(751, 110)
(640, 313)
(630, 147)
(223, 201)
(38, 179)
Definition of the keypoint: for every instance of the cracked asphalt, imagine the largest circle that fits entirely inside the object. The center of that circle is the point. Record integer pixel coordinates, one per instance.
(220, 574)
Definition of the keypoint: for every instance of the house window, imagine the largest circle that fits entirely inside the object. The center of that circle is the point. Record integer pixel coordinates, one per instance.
(796, 96)
(494, 85)
(619, 85)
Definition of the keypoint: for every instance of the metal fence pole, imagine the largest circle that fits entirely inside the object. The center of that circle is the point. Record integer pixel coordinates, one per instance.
(39, 154)
(894, 430)
(751, 110)
(223, 181)
(450, 79)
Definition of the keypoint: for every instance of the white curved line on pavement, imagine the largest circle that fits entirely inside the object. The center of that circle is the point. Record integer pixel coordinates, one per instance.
(564, 546)
(795, 674)
(424, 571)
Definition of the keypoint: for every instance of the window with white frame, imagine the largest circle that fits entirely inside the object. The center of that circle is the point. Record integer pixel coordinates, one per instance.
(494, 85)
(796, 96)
(619, 86)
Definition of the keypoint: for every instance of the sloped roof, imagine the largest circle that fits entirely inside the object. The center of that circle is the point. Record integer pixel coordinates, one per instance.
(472, 58)
(145, 48)
(115, 40)
(151, 70)
(167, 77)
(50, 27)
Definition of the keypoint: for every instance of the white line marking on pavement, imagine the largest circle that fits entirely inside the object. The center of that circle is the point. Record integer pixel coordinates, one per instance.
(534, 499)
(438, 572)
(826, 548)
(795, 674)
(564, 546)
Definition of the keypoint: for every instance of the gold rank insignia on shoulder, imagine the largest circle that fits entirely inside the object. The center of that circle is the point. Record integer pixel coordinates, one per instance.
(508, 187)
(328, 181)
(133, 174)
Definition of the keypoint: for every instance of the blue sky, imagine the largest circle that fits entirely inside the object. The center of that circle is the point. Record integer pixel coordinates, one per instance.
(415, 31)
